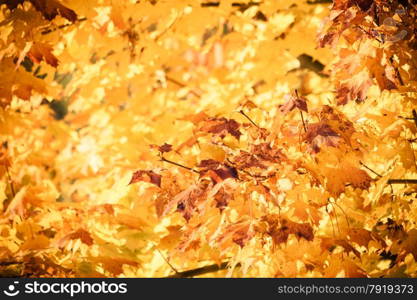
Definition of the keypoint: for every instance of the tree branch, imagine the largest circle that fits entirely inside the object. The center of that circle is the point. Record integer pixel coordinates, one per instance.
(402, 181)
(200, 271)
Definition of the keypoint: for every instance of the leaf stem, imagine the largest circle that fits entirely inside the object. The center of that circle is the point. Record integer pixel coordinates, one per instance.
(302, 119)
(247, 117)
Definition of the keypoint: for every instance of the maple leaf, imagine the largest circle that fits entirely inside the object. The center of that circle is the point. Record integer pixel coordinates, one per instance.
(354, 89)
(165, 148)
(321, 134)
(146, 176)
(221, 127)
(216, 170)
(335, 170)
(222, 192)
(40, 51)
(330, 243)
(187, 202)
(362, 237)
(268, 153)
(294, 101)
(172, 238)
(51, 8)
(247, 160)
(280, 228)
(239, 233)
(113, 264)
(81, 234)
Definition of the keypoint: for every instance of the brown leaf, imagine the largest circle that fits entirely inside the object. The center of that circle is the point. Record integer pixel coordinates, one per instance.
(51, 8)
(268, 153)
(294, 101)
(146, 176)
(280, 228)
(216, 170)
(247, 160)
(165, 148)
(319, 134)
(221, 127)
(41, 51)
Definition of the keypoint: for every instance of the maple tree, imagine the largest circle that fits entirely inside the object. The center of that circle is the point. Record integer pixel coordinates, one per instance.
(274, 139)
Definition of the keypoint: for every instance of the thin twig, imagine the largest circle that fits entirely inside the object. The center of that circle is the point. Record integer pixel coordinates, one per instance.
(178, 165)
(362, 164)
(247, 117)
(302, 119)
(335, 215)
(344, 213)
(402, 181)
(301, 112)
(168, 263)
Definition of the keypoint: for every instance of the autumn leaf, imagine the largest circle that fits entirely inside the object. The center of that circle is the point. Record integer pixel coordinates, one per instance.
(221, 127)
(146, 176)
(113, 264)
(216, 170)
(81, 234)
(294, 101)
(239, 233)
(165, 148)
(51, 8)
(247, 186)
(187, 202)
(279, 229)
(319, 135)
(39, 52)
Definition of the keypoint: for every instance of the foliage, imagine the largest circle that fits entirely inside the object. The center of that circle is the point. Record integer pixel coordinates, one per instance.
(138, 140)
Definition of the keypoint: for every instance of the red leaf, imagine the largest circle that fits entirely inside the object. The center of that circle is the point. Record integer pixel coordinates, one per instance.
(221, 127)
(81, 234)
(165, 148)
(40, 51)
(146, 176)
